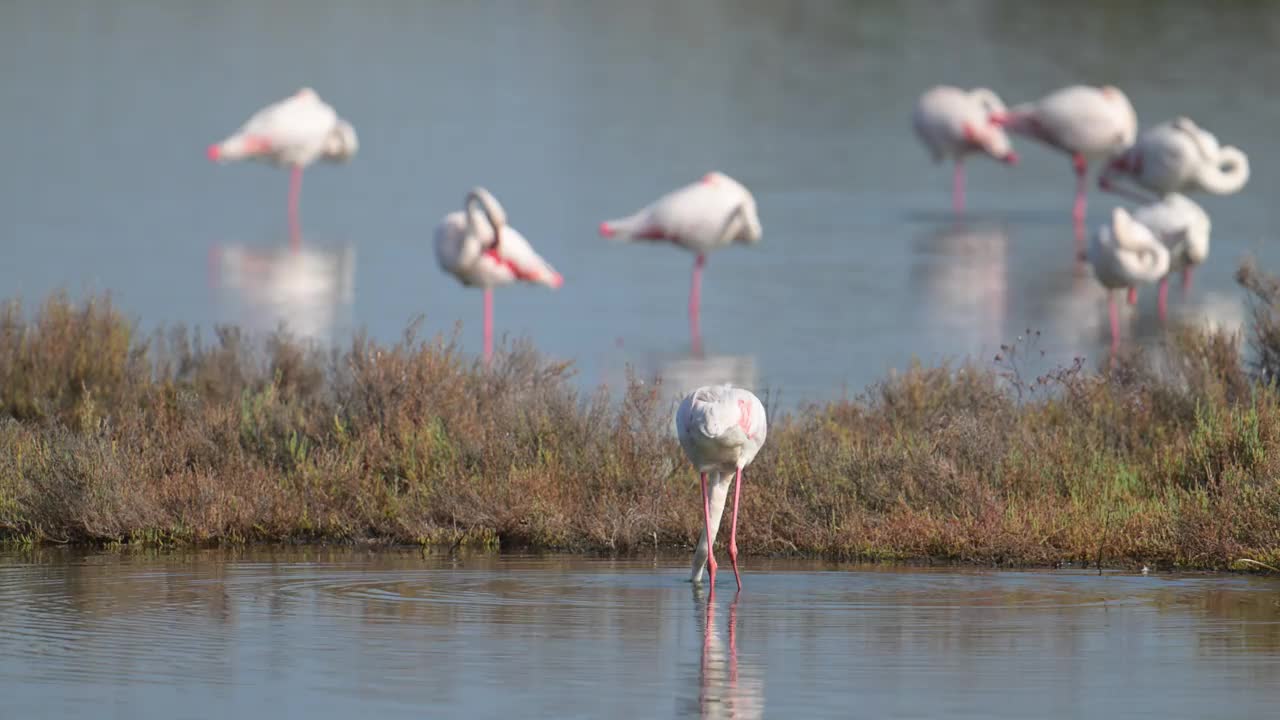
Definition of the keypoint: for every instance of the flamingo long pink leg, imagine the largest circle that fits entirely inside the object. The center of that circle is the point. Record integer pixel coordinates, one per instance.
(706, 518)
(695, 303)
(488, 325)
(1114, 312)
(957, 187)
(733, 529)
(295, 192)
(1162, 298)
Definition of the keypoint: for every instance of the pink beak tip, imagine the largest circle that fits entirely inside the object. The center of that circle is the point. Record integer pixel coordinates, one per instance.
(1011, 158)
(606, 230)
(213, 152)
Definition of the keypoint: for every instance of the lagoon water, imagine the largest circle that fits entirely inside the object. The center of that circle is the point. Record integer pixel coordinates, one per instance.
(573, 111)
(397, 634)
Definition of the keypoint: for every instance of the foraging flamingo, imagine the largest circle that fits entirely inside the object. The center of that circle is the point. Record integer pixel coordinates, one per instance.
(1087, 123)
(295, 132)
(1124, 254)
(715, 212)
(953, 123)
(721, 428)
(1179, 156)
(481, 250)
(1183, 226)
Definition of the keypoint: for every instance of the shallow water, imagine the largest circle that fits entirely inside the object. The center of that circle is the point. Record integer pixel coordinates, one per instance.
(573, 111)
(339, 634)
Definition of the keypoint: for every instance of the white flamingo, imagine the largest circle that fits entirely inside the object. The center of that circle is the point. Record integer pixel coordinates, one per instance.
(1087, 123)
(1179, 156)
(1124, 254)
(953, 123)
(712, 213)
(477, 246)
(1183, 226)
(721, 428)
(293, 132)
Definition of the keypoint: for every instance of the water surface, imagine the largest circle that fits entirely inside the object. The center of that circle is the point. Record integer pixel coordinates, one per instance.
(573, 111)
(340, 634)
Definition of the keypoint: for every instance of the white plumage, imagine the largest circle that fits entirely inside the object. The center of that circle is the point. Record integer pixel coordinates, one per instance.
(1124, 254)
(295, 132)
(953, 123)
(721, 428)
(1180, 156)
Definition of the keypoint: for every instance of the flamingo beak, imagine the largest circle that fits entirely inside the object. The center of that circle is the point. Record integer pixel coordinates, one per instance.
(998, 119)
(1011, 158)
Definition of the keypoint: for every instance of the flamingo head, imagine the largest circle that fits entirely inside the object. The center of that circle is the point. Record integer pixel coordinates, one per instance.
(991, 140)
(342, 143)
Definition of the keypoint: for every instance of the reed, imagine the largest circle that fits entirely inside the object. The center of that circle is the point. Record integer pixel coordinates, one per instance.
(110, 435)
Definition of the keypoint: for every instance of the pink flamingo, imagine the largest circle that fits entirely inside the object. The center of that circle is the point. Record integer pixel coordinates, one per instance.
(1183, 226)
(953, 123)
(293, 132)
(1087, 123)
(702, 216)
(486, 254)
(1125, 253)
(1178, 156)
(721, 428)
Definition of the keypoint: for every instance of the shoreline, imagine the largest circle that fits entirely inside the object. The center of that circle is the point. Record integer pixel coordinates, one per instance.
(110, 437)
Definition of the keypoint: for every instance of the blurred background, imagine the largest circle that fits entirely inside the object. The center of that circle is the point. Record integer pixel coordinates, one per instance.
(574, 111)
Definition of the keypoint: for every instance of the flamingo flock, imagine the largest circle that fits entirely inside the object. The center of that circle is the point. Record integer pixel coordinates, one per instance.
(720, 427)
(1098, 126)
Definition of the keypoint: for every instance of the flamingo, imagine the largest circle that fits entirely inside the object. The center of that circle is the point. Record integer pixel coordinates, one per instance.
(1124, 254)
(486, 254)
(293, 132)
(702, 216)
(1087, 123)
(721, 428)
(1183, 226)
(953, 123)
(1179, 156)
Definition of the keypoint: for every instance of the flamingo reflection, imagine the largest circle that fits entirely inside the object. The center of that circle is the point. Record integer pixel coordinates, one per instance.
(962, 273)
(307, 291)
(723, 692)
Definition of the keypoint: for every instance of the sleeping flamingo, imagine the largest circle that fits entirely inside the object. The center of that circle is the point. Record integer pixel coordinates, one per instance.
(1179, 156)
(721, 428)
(480, 249)
(1087, 123)
(953, 123)
(295, 132)
(703, 216)
(1124, 254)
(1183, 226)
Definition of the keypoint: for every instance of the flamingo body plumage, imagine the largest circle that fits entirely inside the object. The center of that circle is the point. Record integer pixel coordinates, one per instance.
(721, 428)
(1125, 253)
(715, 212)
(1179, 156)
(476, 246)
(953, 123)
(1183, 226)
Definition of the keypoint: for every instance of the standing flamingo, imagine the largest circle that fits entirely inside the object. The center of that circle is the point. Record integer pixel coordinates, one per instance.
(953, 123)
(480, 249)
(702, 216)
(1087, 123)
(295, 132)
(1124, 254)
(721, 428)
(1179, 156)
(1183, 226)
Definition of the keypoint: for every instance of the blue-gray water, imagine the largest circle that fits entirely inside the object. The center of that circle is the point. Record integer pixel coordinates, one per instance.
(345, 634)
(575, 111)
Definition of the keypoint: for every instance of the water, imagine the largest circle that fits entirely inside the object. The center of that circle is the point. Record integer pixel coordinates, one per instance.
(340, 634)
(573, 111)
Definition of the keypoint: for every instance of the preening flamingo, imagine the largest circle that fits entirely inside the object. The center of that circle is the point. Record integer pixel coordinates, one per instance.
(721, 428)
(478, 247)
(953, 123)
(1179, 156)
(1087, 123)
(1124, 254)
(1183, 226)
(703, 216)
(293, 132)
